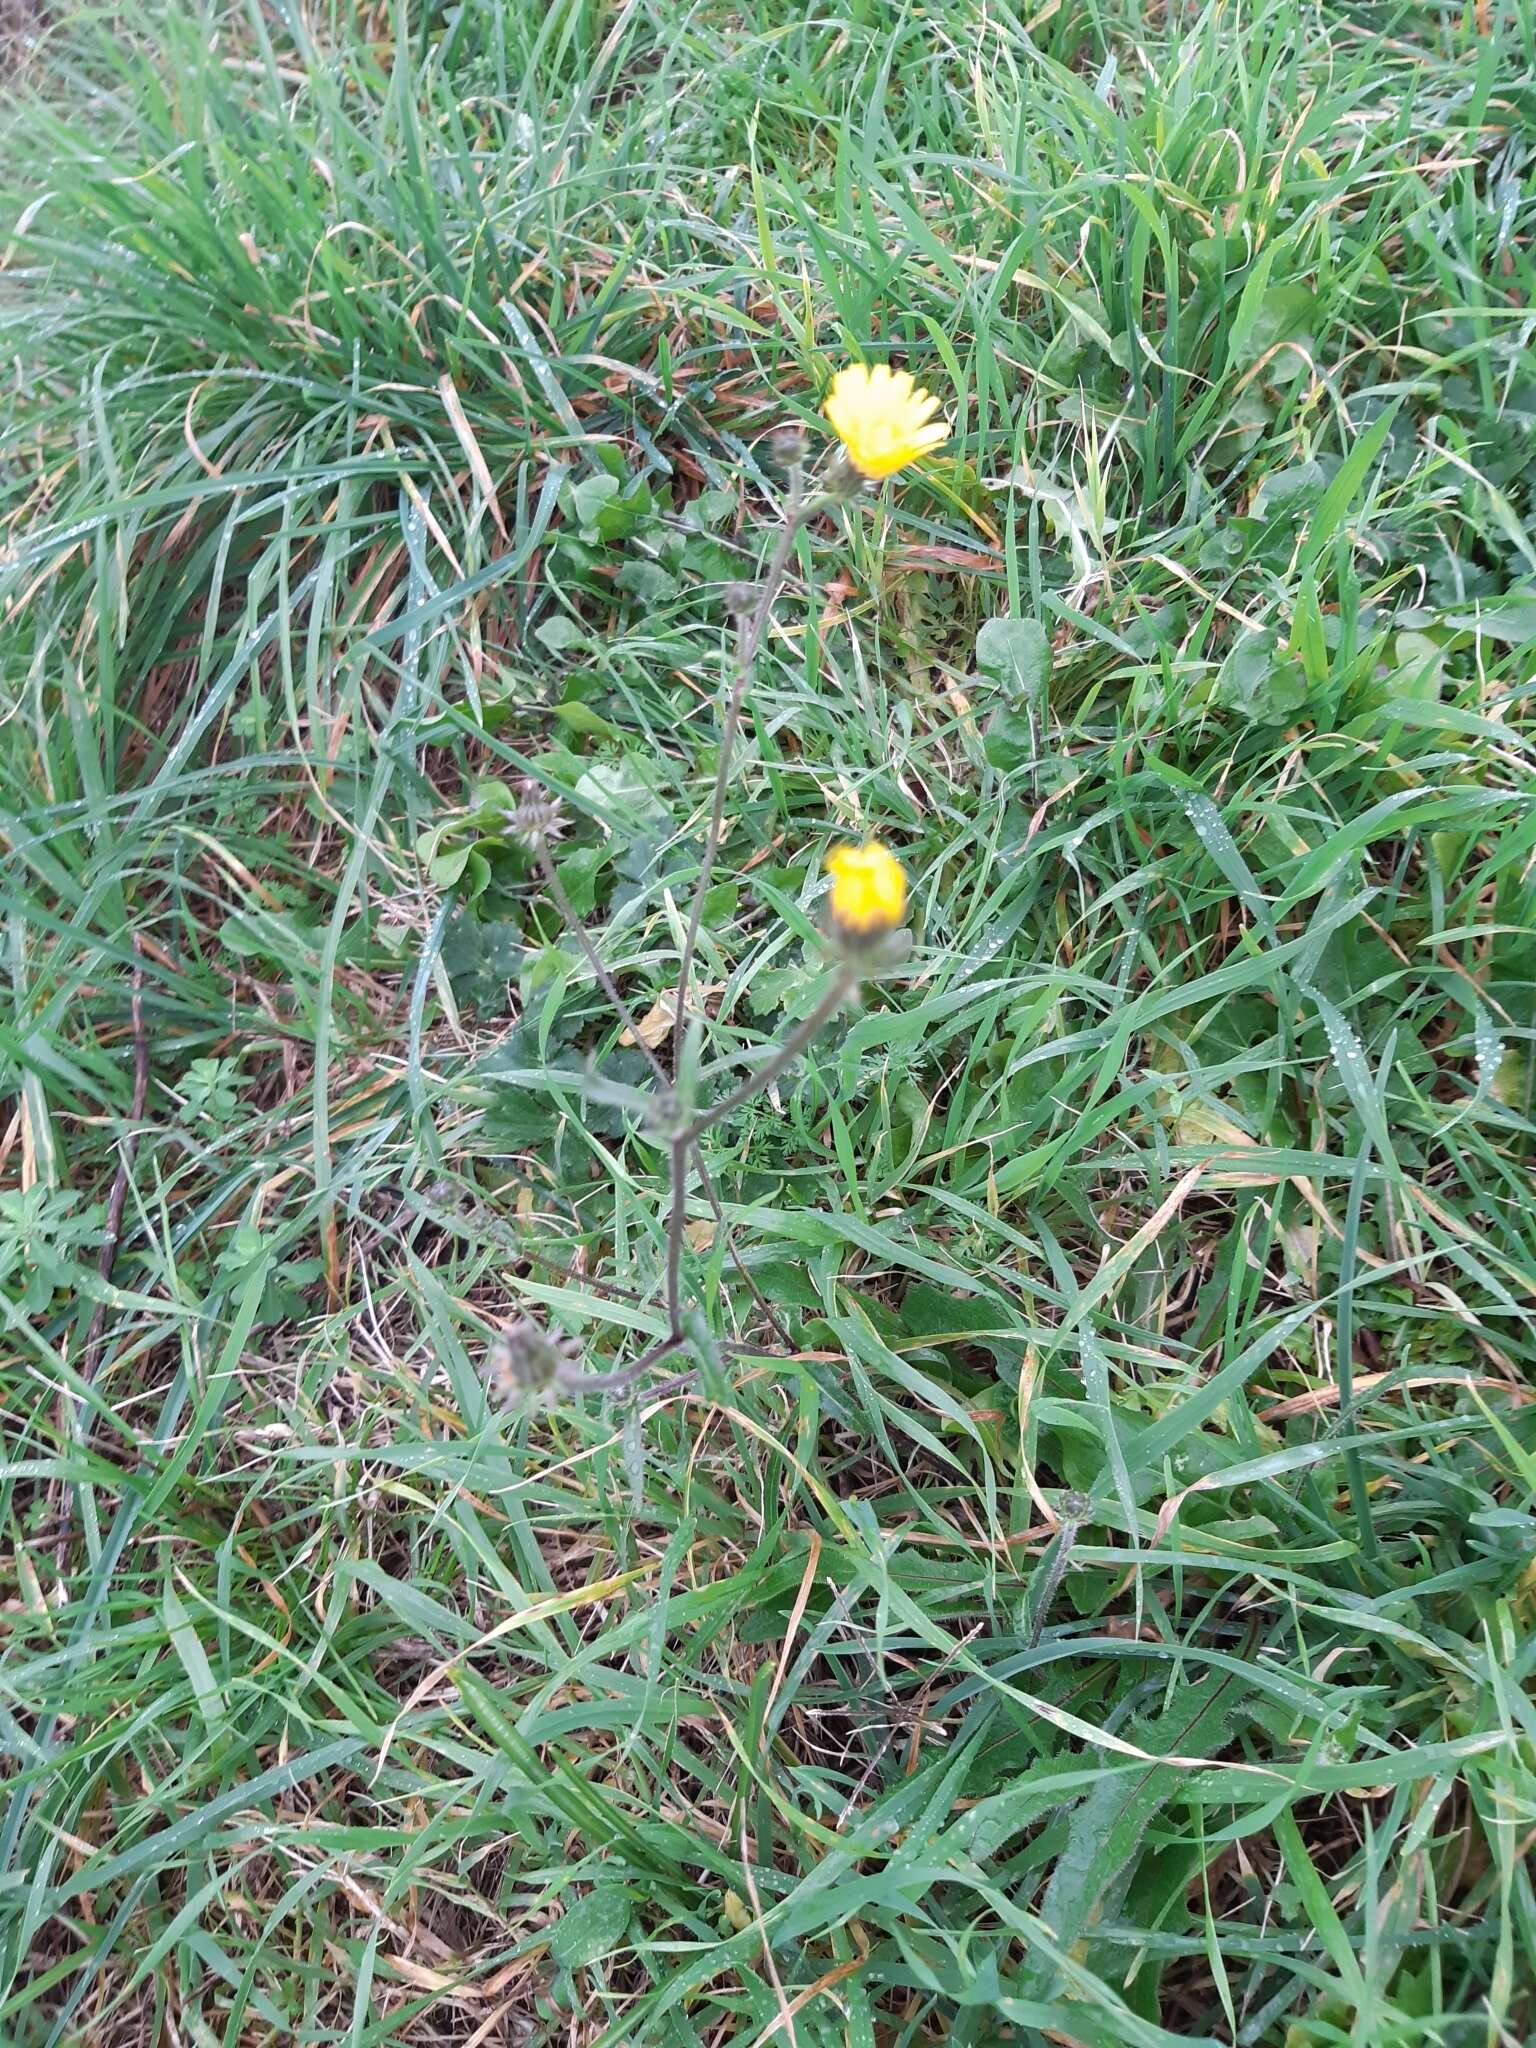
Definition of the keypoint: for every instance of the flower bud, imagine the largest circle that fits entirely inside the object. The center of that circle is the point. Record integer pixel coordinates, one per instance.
(789, 446)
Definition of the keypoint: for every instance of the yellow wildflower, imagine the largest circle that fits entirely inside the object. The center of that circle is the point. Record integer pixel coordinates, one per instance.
(869, 890)
(883, 419)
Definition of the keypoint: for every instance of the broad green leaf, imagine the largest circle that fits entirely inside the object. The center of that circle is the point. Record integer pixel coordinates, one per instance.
(590, 1927)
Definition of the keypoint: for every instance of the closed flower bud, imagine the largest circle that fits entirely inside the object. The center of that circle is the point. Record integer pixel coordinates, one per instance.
(789, 445)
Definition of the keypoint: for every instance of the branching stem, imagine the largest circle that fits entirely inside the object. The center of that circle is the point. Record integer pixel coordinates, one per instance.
(682, 1144)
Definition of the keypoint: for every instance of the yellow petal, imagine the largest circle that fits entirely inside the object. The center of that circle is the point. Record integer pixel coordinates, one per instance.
(869, 890)
(883, 418)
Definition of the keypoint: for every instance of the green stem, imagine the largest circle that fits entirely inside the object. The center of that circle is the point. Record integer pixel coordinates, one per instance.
(797, 510)
(1344, 1339)
(1055, 1572)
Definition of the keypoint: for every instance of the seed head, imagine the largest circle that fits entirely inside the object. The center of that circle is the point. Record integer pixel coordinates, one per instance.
(529, 1363)
(538, 819)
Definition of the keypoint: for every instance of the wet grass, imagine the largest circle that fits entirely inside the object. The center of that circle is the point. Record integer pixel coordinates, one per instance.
(1111, 1622)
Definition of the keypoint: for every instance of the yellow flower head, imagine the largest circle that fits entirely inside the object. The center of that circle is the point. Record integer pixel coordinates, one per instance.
(869, 890)
(883, 419)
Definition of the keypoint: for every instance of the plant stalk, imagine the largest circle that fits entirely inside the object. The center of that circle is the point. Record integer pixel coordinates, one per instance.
(843, 983)
(796, 511)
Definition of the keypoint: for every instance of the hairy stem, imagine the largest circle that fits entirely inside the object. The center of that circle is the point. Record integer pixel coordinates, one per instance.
(1055, 1572)
(610, 988)
(621, 1381)
(793, 1046)
(116, 1203)
(843, 982)
(796, 511)
(675, 1214)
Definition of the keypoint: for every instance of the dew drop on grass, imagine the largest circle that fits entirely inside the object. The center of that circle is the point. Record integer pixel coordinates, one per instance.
(1489, 1048)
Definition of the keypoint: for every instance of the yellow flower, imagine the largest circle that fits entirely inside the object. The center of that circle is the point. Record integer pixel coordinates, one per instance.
(869, 890)
(883, 419)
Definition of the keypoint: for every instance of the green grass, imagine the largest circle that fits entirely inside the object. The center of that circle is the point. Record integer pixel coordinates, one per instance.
(388, 404)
